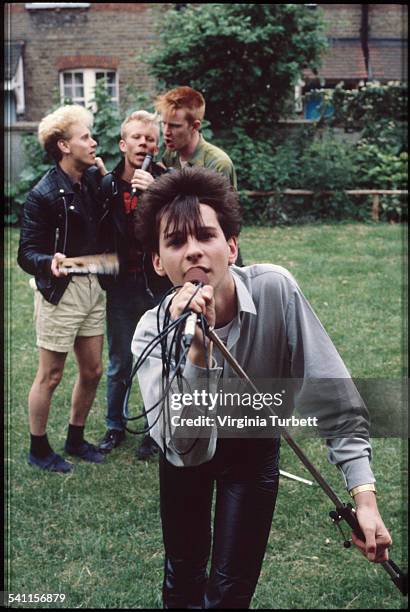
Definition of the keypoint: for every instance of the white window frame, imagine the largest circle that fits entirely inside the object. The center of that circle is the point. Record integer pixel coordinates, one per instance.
(89, 82)
(16, 84)
(298, 105)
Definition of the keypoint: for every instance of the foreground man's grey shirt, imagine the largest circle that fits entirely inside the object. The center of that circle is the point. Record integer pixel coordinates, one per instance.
(275, 335)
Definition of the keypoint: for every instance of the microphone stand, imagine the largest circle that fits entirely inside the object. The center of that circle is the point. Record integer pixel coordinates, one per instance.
(343, 511)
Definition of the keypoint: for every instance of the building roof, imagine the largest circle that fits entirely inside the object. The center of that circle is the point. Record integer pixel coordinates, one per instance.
(342, 60)
(13, 52)
(388, 60)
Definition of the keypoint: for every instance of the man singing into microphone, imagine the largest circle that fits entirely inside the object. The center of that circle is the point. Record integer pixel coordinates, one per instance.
(190, 220)
(129, 294)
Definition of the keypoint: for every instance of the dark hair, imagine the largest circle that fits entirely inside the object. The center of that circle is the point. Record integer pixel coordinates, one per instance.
(177, 196)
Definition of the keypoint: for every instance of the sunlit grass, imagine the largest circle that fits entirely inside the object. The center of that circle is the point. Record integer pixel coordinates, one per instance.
(95, 535)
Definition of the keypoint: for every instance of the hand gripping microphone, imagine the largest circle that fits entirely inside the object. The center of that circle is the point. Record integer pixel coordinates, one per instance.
(198, 277)
(145, 165)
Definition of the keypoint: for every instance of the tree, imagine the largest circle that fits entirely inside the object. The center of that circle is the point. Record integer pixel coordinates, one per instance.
(244, 58)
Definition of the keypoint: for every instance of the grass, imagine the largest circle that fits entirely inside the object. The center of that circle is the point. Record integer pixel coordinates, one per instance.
(95, 535)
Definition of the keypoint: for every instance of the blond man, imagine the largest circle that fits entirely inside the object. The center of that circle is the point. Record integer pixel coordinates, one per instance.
(62, 218)
(129, 294)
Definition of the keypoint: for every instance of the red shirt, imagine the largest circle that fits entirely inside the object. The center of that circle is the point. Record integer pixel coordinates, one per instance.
(135, 253)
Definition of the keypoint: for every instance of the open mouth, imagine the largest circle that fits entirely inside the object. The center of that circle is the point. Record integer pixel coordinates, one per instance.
(201, 271)
(141, 156)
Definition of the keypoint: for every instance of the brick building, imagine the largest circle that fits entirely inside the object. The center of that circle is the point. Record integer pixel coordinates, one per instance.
(65, 47)
(57, 49)
(366, 42)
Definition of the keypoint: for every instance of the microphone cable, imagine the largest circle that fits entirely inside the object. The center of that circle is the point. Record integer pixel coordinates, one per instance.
(172, 352)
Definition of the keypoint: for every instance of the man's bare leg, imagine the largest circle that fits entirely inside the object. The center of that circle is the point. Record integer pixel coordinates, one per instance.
(88, 351)
(49, 374)
(48, 377)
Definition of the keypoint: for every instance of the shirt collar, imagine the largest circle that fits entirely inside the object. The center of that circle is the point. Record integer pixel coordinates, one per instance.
(245, 304)
(198, 157)
(245, 301)
(68, 182)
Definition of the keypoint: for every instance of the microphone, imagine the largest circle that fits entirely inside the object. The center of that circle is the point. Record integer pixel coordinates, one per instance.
(145, 165)
(198, 277)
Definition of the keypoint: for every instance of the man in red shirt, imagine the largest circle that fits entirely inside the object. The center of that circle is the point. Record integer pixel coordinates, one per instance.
(129, 294)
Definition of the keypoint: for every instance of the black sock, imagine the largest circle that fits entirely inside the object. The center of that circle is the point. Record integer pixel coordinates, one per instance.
(75, 435)
(39, 446)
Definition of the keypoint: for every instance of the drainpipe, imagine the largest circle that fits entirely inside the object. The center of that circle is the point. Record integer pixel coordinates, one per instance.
(364, 38)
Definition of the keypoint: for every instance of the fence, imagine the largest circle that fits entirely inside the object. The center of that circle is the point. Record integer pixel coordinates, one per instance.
(375, 193)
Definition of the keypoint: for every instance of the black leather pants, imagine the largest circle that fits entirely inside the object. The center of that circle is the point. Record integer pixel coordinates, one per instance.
(246, 474)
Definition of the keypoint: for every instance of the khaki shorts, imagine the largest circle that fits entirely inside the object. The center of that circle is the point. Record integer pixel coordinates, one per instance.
(80, 312)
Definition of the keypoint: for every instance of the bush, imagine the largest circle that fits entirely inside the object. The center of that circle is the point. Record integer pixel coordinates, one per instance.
(308, 159)
(369, 104)
(106, 127)
(379, 111)
(316, 158)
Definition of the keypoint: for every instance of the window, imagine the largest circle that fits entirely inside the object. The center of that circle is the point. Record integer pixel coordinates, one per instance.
(78, 85)
(315, 105)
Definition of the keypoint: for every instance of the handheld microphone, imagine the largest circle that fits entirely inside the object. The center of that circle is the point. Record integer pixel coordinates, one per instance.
(198, 277)
(145, 165)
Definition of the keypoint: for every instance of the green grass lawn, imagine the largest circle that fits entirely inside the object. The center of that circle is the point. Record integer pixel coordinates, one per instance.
(95, 535)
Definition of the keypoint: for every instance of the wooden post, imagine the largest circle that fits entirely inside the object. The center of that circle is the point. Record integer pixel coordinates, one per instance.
(376, 207)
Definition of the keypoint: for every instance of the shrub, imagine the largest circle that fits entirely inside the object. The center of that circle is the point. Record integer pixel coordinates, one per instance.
(316, 158)
(307, 159)
(106, 127)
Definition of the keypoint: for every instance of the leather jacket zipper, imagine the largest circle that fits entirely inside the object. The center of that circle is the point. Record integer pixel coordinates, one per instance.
(56, 240)
(57, 235)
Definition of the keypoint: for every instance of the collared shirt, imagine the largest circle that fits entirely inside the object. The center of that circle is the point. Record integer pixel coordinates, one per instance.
(205, 155)
(274, 335)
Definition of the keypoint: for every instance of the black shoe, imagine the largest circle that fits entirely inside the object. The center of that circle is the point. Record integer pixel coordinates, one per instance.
(112, 439)
(86, 451)
(148, 448)
(51, 463)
